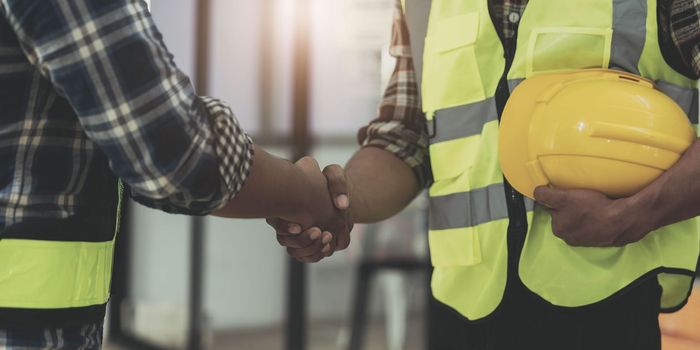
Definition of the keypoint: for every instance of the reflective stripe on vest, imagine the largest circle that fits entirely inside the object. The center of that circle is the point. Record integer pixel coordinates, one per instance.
(37, 274)
(462, 62)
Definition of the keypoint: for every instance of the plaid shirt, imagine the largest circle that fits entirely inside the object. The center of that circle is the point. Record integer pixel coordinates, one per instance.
(85, 337)
(88, 83)
(400, 127)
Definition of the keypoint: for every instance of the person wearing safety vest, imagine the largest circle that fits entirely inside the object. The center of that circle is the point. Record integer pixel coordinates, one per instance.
(93, 108)
(574, 268)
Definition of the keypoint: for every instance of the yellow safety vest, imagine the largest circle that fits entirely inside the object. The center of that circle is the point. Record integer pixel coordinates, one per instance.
(51, 281)
(465, 78)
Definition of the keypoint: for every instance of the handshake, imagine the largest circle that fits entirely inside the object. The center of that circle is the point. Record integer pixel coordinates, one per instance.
(323, 223)
(313, 210)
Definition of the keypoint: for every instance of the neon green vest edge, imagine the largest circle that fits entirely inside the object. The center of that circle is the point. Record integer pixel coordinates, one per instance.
(36, 274)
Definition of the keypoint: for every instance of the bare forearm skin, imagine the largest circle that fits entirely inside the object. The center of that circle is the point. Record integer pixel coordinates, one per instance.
(675, 195)
(275, 188)
(381, 185)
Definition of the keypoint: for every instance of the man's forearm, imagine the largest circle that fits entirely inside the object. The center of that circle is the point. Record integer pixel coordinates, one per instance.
(275, 188)
(381, 184)
(675, 195)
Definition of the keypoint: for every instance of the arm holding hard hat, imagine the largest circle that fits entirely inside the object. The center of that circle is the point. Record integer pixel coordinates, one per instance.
(589, 218)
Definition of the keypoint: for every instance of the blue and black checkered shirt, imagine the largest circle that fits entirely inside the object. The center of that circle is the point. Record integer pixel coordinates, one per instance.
(89, 90)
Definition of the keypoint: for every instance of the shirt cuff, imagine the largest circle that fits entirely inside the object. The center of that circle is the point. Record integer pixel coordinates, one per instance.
(233, 147)
(411, 149)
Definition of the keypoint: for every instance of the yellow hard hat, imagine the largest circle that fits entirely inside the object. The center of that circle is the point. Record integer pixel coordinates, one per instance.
(595, 129)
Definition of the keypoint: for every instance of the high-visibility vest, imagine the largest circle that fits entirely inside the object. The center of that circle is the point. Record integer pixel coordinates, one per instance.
(465, 79)
(48, 277)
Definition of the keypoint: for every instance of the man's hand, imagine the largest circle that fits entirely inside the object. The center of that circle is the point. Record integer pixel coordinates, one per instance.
(317, 208)
(590, 219)
(374, 186)
(313, 244)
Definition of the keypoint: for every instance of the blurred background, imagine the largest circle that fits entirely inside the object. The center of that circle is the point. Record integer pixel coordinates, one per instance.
(302, 77)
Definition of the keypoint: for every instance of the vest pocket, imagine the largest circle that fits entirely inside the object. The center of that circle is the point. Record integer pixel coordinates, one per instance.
(451, 73)
(450, 164)
(451, 242)
(565, 48)
(455, 247)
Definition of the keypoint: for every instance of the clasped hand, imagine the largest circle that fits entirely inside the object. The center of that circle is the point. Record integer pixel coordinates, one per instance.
(323, 225)
(590, 219)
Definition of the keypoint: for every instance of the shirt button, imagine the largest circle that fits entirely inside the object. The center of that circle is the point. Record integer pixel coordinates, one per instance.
(514, 17)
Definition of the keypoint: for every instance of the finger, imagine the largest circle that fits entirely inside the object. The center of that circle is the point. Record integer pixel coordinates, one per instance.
(568, 238)
(551, 197)
(284, 227)
(327, 251)
(326, 237)
(337, 185)
(299, 253)
(557, 228)
(308, 162)
(306, 239)
(329, 244)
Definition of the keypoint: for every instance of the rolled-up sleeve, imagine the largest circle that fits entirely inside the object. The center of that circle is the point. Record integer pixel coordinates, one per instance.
(400, 127)
(175, 150)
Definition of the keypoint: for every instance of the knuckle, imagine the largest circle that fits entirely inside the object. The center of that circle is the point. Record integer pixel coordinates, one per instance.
(334, 169)
(334, 173)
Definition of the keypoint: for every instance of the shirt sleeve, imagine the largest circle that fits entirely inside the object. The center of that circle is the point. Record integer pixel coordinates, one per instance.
(176, 151)
(400, 127)
(682, 17)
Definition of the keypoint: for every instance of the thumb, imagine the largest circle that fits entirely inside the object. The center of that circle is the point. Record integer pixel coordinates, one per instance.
(550, 197)
(337, 186)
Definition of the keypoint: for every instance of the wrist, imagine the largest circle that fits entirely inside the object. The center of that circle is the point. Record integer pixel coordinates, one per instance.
(303, 206)
(640, 208)
(357, 201)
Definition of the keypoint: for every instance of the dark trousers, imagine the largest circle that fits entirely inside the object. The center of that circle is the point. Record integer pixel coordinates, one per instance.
(524, 321)
(85, 337)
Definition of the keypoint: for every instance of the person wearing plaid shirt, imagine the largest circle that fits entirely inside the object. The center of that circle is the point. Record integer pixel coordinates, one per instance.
(90, 94)
(393, 166)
